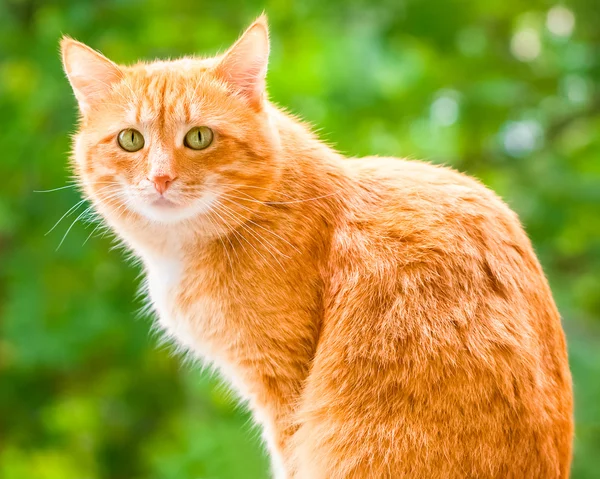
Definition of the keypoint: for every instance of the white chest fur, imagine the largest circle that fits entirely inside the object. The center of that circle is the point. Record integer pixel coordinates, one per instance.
(164, 275)
(163, 278)
(201, 328)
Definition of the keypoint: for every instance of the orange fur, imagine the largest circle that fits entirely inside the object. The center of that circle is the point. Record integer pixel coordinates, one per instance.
(384, 318)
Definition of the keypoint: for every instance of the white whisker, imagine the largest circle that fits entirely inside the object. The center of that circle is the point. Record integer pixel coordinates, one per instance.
(70, 227)
(55, 189)
(241, 236)
(71, 209)
(224, 247)
(263, 228)
(267, 246)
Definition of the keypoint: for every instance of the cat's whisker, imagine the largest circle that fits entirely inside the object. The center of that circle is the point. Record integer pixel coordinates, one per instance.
(56, 189)
(234, 232)
(236, 187)
(70, 227)
(69, 211)
(120, 210)
(107, 186)
(97, 218)
(262, 227)
(229, 230)
(268, 246)
(222, 243)
(250, 198)
(281, 202)
(241, 236)
(247, 196)
(93, 217)
(113, 195)
(120, 204)
(302, 200)
(110, 192)
(90, 217)
(114, 183)
(199, 190)
(98, 226)
(237, 204)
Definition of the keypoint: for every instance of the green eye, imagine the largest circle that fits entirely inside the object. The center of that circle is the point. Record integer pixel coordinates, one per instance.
(198, 138)
(130, 140)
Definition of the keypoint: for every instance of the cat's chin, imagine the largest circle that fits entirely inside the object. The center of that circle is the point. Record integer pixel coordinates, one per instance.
(166, 211)
(163, 202)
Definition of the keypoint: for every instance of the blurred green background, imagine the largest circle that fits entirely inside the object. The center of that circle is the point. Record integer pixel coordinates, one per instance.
(505, 90)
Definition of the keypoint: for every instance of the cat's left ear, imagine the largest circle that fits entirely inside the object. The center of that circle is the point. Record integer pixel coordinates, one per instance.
(91, 74)
(244, 65)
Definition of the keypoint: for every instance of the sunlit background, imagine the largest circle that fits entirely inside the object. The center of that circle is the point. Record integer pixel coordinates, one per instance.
(505, 90)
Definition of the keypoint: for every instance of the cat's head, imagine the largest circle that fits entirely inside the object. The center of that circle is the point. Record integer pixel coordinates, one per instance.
(169, 142)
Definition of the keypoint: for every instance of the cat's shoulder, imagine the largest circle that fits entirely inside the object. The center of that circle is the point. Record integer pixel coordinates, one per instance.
(411, 174)
(433, 206)
(402, 186)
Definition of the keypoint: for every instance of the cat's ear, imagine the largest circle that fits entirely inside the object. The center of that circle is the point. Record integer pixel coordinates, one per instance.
(244, 65)
(91, 74)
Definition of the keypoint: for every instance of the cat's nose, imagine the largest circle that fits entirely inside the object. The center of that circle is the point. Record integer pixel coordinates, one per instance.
(161, 182)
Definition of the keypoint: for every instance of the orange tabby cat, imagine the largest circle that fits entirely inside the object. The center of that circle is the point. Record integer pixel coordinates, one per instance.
(383, 318)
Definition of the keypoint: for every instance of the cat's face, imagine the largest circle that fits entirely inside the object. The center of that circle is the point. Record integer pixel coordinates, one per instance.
(172, 141)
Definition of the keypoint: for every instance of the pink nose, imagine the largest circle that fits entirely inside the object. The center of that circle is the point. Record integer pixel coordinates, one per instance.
(162, 182)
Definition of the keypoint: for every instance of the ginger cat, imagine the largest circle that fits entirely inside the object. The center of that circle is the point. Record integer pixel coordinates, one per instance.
(383, 318)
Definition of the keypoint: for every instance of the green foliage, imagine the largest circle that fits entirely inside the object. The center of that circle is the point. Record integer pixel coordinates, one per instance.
(505, 90)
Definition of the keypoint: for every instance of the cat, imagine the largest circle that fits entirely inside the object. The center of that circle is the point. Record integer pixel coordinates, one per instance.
(383, 318)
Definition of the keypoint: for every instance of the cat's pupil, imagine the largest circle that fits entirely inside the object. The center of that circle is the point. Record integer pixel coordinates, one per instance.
(199, 137)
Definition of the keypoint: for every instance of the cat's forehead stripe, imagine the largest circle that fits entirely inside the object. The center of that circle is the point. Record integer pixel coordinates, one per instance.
(168, 92)
(162, 101)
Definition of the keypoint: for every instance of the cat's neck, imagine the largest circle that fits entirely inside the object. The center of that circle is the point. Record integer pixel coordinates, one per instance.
(310, 168)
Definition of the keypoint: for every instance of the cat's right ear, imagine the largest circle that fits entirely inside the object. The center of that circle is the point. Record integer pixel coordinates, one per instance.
(91, 74)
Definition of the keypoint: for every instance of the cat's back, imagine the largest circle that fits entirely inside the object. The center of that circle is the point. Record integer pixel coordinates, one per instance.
(432, 218)
(433, 215)
(440, 326)
(440, 231)
(407, 190)
(418, 230)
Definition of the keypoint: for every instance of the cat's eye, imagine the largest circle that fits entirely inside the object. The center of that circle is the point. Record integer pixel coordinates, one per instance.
(198, 138)
(130, 140)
